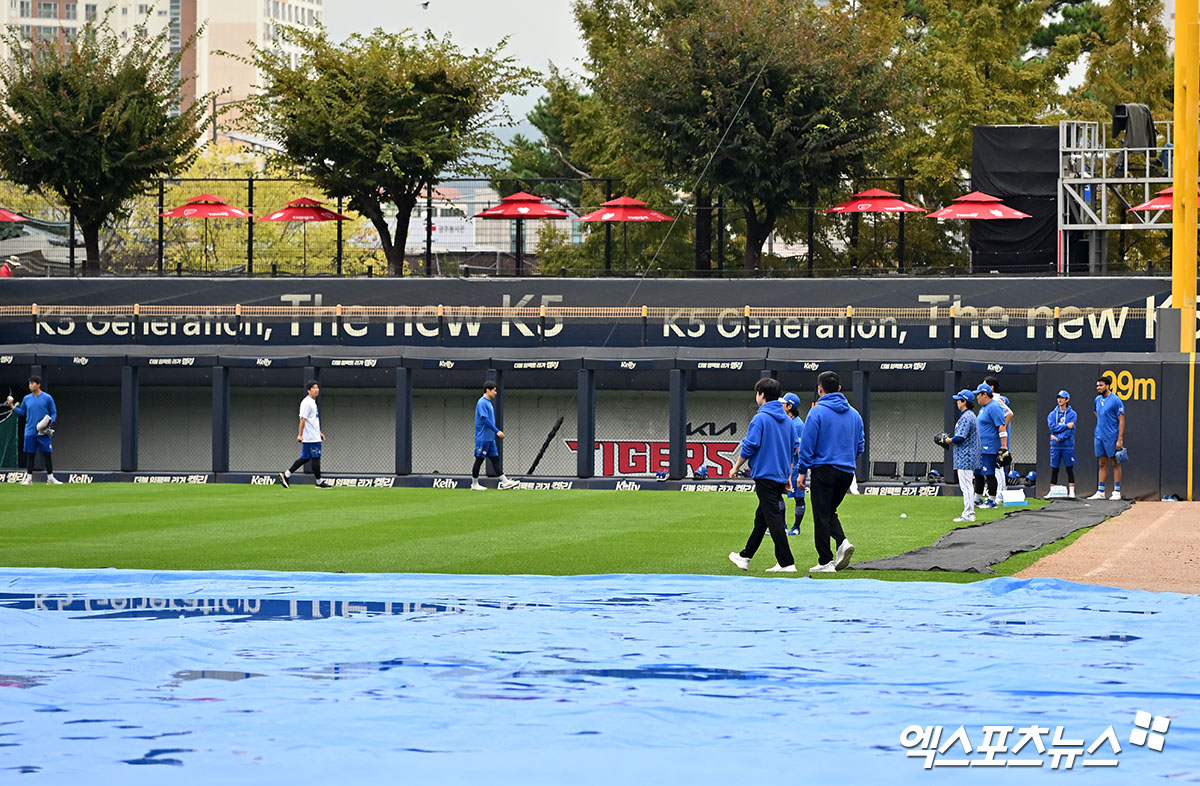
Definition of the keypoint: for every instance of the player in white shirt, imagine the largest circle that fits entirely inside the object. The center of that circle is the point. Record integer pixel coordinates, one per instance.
(310, 438)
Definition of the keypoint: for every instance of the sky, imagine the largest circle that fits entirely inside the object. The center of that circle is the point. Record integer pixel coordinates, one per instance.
(539, 32)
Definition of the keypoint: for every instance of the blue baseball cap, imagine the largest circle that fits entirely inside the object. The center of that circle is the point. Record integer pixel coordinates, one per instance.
(964, 395)
(983, 388)
(792, 399)
(1063, 394)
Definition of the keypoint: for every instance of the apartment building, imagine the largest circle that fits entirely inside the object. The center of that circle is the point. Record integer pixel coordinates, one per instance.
(231, 26)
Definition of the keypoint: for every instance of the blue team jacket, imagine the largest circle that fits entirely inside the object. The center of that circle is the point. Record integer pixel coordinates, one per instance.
(1058, 428)
(833, 435)
(485, 421)
(770, 443)
(34, 408)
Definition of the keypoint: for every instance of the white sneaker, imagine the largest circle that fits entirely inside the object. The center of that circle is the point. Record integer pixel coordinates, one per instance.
(323, 484)
(1071, 493)
(53, 481)
(961, 519)
(739, 560)
(509, 483)
(844, 553)
(1097, 495)
(828, 567)
(1115, 495)
(1057, 492)
(27, 480)
(477, 486)
(777, 569)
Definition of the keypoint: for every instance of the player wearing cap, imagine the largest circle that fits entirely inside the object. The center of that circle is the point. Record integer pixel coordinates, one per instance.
(1110, 435)
(993, 382)
(40, 414)
(1061, 421)
(993, 439)
(966, 451)
(791, 403)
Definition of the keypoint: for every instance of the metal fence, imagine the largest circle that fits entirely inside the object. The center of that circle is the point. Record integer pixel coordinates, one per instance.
(444, 238)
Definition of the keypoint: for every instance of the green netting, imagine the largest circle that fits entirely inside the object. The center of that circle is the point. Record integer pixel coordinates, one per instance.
(8, 442)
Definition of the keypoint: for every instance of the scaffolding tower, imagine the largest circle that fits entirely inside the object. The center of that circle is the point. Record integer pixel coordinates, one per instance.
(1099, 181)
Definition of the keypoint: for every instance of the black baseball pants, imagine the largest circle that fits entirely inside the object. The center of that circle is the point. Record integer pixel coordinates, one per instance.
(768, 517)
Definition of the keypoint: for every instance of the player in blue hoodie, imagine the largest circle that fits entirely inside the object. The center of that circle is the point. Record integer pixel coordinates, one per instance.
(832, 442)
(769, 446)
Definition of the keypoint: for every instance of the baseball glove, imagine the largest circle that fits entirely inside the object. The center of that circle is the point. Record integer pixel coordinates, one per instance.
(1004, 458)
(943, 439)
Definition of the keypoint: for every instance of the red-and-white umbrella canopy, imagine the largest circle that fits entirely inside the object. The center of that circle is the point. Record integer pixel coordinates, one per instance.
(8, 215)
(978, 205)
(522, 205)
(304, 209)
(1163, 200)
(625, 209)
(206, 206)
(875, 200)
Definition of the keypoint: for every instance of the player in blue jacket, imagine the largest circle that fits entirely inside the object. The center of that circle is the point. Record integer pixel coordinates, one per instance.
(40, 415)
(1110, 435)
(769, 447)
(829, 450)
(993, 438)
(791, 404)
(486, 434)
(1062, 420)
(966, 446)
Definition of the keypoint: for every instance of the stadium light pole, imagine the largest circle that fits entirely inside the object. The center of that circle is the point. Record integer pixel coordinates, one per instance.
(1183, 218)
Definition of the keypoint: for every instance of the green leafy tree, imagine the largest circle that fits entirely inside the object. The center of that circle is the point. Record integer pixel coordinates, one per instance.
(93, 119)
(760, 101)
(378, 119)
(1128, 63)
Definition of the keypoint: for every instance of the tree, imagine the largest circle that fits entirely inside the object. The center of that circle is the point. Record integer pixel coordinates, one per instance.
(93, 119)
(759, 100)
(380, 118)
(1128, 63)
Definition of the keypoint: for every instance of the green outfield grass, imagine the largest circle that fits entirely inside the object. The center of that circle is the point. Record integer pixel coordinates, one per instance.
(236, 527)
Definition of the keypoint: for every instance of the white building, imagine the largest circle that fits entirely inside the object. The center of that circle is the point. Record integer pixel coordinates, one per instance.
(231, 24)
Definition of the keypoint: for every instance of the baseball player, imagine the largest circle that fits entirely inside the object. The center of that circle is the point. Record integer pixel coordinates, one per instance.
(40, 415)
(1062, 420)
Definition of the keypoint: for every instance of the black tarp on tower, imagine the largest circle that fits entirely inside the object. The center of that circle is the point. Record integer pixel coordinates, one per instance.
(1020, 165)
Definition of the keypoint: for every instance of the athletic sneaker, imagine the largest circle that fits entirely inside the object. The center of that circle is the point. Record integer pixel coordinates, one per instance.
(795, 530)
(323, 484)
(53, 481)
(786, 569)
(1116, 495)
(1097, 495)
(961, 519)
(844, 553)
(27, 480)
(283, 481)
(739, 560)
(509, 484)
(477, 486)
(1071, 493)
(828, 567)
(989, 503)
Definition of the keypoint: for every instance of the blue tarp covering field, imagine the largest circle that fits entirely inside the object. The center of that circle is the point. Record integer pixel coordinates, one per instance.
(241, 677)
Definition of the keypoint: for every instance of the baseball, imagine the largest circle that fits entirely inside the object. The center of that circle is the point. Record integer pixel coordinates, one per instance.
(903, 515)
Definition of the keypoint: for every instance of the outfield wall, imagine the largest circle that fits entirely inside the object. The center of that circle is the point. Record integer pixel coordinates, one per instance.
(409, 411)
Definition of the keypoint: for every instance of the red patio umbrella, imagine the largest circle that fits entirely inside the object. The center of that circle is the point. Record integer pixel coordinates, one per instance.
(980, 206)
(625, 210)
(519, 207)
(206, 206)
(304, 210)
(875, 200)
(1163, 200)
(8, 215)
